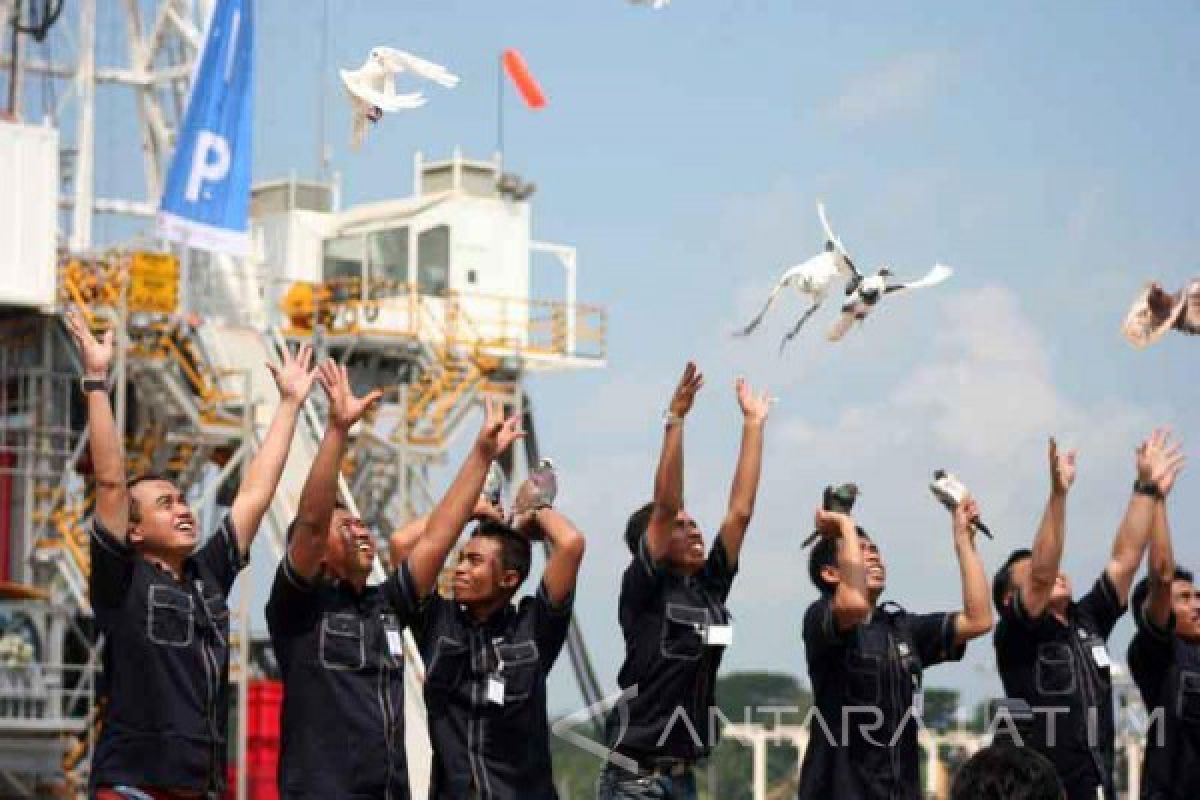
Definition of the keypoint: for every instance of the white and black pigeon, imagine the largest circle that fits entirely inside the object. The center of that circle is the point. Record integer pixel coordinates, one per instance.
(865, 294)
(372, 87)
(811, 278)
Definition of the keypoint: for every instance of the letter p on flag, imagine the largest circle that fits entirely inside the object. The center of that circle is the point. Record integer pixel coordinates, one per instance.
(210, 162)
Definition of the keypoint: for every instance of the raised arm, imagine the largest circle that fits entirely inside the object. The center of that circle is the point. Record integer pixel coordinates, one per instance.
(404, 539)
(566, 552)
(1157, 458)
(749, 467)
(1160, 566)
(851, 600)
(293, 380)
(454, 510)
(668, 478)
(310, 534)
(975, 619)
(402, 542)
(1048, 544)
(104, 441)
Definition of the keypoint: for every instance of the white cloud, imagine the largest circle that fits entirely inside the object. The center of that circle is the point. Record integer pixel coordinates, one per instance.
(901, 85)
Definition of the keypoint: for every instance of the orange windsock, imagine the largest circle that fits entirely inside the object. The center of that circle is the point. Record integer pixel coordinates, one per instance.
(517, 70)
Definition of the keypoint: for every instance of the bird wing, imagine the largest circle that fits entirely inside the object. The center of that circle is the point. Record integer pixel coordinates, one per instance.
(400, 60)
(829, 234)
(1189, 318)
(758, 318)
(938, 274)
(362, 89)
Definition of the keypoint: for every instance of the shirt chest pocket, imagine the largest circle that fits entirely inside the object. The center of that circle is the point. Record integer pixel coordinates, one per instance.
(1055, 669)
(1187, 702)
(216, 617)
(447, 665)
(520, 669)
(343, 642)
(864, 677)
(683, 631)
(169, 616)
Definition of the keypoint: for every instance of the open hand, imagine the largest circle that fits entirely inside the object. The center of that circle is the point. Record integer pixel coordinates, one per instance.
(755, 407)
(690, 382)
(294, 379)
(345, 408)
(497, 433)
(1062, 468)
(1159, 460)
(96, 354)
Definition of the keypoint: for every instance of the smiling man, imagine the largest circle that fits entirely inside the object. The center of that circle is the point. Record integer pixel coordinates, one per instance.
(161, 602)
(867, 661)
(673, 614)
(337, 640)
(487, 658)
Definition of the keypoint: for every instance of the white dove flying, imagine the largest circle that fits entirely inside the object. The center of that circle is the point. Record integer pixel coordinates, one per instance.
(811, 278)
(372, 87)
(865, 293)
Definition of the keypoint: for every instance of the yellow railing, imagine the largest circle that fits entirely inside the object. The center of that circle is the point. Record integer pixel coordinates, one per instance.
(521, 325)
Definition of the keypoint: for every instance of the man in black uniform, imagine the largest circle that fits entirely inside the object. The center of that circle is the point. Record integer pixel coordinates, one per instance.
(487, 660)
(866, 662)
(673, 615)
(338, 641)
(1051, 650)
(1164, 659)
(161, 602)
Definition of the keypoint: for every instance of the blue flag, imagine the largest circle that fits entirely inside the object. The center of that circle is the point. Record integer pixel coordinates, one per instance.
(206, 200)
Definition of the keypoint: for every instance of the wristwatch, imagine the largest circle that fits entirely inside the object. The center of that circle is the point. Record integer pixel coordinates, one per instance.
(671, 418)
(93, 385)
(1148, 488)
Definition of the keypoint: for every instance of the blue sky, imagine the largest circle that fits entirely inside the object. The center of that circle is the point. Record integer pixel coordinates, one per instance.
(1046, 151)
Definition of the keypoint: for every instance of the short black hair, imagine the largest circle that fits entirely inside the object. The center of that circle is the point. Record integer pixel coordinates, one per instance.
(1003, 771)
(635, 528)
(145, 477)
(1003, 579)
(1142, 590)
(338, 505)
(515, 551)
(824, 554)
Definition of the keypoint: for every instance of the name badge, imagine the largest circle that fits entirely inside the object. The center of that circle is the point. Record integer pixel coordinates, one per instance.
(395, 642)
(718, 635)
(495, 690)
(1100, 656)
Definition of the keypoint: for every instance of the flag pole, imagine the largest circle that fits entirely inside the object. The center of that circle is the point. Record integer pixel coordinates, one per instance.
(500, 108)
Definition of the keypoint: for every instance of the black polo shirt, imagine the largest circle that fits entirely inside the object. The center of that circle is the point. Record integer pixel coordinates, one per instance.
(341, 656)
(867, 695)
(664, 616)
(502, 749)
(1055, 666)
(166, 663)
(1166, 670)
